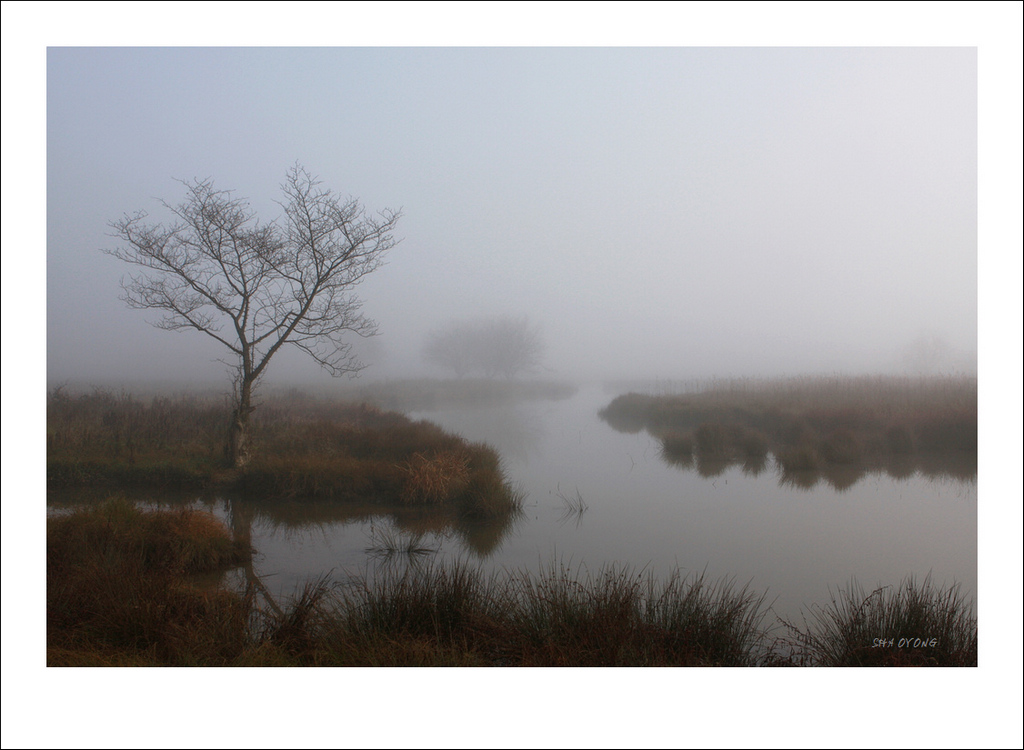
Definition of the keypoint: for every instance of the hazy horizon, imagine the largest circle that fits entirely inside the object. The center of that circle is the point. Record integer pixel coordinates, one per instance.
(658, 212)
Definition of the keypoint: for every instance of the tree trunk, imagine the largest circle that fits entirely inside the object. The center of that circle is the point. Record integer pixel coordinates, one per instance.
(241, 528)
(238, 433)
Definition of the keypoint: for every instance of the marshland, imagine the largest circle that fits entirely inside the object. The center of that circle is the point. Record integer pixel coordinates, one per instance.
(541, 525)
(834, 429)
(123, 590)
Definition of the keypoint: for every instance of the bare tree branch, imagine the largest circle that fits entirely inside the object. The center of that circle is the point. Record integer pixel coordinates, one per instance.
(255, 287)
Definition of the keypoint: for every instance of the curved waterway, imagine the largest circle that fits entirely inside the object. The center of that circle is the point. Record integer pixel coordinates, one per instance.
(795, 542)
(595, 496)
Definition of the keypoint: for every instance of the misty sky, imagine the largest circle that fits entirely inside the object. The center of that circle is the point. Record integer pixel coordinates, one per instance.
(661, 212)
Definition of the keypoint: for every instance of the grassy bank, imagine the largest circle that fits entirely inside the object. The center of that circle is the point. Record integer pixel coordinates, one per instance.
(839, 427)
(305, 448)
(121, 591)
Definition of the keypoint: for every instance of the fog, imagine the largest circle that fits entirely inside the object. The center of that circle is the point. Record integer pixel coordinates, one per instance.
(657, 212)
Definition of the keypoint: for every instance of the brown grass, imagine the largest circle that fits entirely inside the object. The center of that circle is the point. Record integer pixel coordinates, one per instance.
(814, 425)
(119, 585)
(436, 479)
(120, 592)
(305, 449)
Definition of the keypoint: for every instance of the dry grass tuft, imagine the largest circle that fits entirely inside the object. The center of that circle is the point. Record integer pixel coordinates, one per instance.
(913, 624)
(439, 478)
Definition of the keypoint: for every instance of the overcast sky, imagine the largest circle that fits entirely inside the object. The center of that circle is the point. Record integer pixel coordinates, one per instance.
(660, 212)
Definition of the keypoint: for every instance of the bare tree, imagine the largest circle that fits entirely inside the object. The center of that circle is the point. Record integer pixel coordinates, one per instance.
(255, 287)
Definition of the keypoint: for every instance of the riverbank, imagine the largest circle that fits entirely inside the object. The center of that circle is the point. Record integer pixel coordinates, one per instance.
(838, 427)
(305, 448)
(121, 591)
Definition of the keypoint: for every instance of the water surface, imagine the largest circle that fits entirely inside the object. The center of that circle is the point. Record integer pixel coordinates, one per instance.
(595, 496)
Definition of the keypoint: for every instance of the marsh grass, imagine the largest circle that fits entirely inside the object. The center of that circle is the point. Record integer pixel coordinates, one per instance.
(801, 458)
(717, 622)
(190, 540)
(625, 617)
(912, 624)
(435, 479)
(388, 542)
(572, 504)
(305, 449)
(438, 602)
(121, 590)
(119, 582)
(557, 617)
(813, 426)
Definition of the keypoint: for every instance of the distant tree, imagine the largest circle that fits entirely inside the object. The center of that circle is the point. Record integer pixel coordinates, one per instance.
(451, 349)
(509, 346)
(255, 287)
(495, 347)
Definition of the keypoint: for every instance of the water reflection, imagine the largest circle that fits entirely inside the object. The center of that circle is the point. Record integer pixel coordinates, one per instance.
(800, 479)
(573, 506)
(710, 467)
(480, 537)
(800, 469)
(515, 430)
(387, 543)
(748, 518)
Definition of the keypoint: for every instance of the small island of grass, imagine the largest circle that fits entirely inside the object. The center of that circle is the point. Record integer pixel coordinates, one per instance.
(304, 448)
(840, 427)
